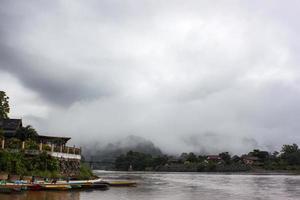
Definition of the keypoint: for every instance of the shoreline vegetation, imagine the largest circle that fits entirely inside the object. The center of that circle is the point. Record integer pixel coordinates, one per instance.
(24, 153)
(18, 166)
(287, 161)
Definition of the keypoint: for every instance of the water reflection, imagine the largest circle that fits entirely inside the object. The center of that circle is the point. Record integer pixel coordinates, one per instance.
(178, 186)
(42, 195)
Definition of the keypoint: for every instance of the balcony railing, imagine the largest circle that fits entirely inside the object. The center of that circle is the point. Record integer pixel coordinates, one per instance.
(32, 148)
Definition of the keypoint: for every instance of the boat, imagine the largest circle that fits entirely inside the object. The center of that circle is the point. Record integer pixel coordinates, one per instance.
(102, 186)
(11, 188)
(89, 184)
(122, 183)
(75, 186)
(83, 181)
(34, 187)
(56, 186)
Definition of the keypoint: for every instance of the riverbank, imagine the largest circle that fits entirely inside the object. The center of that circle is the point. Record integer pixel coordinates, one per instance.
(41, 165)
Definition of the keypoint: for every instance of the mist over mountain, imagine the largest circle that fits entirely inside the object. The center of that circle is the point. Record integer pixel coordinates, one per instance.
(110, 151)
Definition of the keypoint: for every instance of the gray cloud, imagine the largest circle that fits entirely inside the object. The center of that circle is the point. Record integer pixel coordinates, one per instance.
(190, 76)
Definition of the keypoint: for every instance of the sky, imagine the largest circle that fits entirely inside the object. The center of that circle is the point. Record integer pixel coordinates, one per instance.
(202, 76)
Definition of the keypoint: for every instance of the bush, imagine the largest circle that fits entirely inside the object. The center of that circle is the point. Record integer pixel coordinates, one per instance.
(31, 144)
(85, 172)
(12, 162)
(17, 163)
(13, 143)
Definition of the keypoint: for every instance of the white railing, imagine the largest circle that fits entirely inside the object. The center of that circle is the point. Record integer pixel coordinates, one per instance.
(64, 155)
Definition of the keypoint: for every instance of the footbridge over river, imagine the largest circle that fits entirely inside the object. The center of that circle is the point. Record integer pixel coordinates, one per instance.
(100, 164)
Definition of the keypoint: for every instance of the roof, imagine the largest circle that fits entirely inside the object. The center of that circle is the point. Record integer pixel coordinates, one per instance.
(250, 158)
(10, 124)
(213, 157)
(53, 138)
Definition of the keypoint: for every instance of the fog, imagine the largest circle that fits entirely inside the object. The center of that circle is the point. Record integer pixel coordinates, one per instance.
(189, 76)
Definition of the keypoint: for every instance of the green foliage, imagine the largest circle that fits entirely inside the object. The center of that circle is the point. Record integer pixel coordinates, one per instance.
(159, 161)
(139, 161)
(13, 143)
(12, 162)
(226, 157)
(201, 167)
(191, 157)
(4, 105)
(31, 145)
(289, 159)
(291, 154)
(17, 163)
(85, 172)
(211, 166)
(235, 158)
(25, 133)
(262, 155)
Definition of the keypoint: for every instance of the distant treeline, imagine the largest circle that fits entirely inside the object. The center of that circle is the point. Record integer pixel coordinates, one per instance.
(287, 159)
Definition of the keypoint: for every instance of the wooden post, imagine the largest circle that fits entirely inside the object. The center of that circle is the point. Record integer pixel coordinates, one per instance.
(3, 143)
(52, 147)
(80, 149)
(61, 148)
(41, 146)
(23, 145)
(68, 149)
(74, 149)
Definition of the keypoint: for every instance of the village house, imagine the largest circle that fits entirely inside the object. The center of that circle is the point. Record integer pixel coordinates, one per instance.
(53, 145)
(250, 160)
(215, 158)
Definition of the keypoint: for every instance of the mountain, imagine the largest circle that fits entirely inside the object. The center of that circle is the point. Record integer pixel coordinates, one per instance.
(107, 154)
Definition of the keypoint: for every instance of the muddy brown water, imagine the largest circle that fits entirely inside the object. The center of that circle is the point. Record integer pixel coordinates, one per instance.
(181, 186)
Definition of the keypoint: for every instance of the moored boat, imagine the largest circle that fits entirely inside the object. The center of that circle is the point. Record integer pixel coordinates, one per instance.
(102, 186)
(122, 183)
(11, 188)
(56, 186)
(75, 186)
(34, 187)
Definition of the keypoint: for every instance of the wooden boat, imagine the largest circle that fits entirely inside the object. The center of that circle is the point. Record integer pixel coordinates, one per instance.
(34, 187)
(11, 188)
(89, 184)
(75, 186)
(122, 184)
(102, 186)
(56, 186)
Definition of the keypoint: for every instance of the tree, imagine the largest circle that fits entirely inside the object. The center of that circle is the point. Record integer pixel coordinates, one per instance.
(226, 157)
(4, 105)
(262, 155)
(235, 158)
(191, 157)
(291, 154)
(288, 149)
(27, 132)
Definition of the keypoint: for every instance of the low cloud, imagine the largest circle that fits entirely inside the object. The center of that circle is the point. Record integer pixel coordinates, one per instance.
(191, 76)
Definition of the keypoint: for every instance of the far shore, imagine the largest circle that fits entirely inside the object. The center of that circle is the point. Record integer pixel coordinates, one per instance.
(252, 172)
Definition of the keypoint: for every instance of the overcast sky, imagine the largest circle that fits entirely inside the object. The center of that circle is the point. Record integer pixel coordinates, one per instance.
(188, 75)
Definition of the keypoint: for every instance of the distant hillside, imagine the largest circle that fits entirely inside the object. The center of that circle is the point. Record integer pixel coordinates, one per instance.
(111, 151)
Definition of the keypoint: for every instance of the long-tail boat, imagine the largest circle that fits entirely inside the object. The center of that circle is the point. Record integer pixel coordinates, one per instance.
(12, 188)
(56, 186)
(122, 183)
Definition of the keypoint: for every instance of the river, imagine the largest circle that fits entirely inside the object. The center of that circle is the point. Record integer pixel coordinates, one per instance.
(181, 186)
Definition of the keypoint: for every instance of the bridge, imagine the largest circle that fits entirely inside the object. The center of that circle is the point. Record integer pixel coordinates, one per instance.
(92, 163)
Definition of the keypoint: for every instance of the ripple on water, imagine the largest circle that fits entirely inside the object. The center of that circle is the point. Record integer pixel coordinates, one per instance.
(179, 186)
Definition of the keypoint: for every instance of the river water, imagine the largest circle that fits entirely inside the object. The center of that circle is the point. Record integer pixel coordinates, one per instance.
(181, 186)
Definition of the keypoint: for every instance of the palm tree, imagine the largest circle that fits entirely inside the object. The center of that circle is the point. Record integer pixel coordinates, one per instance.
(27, 132)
